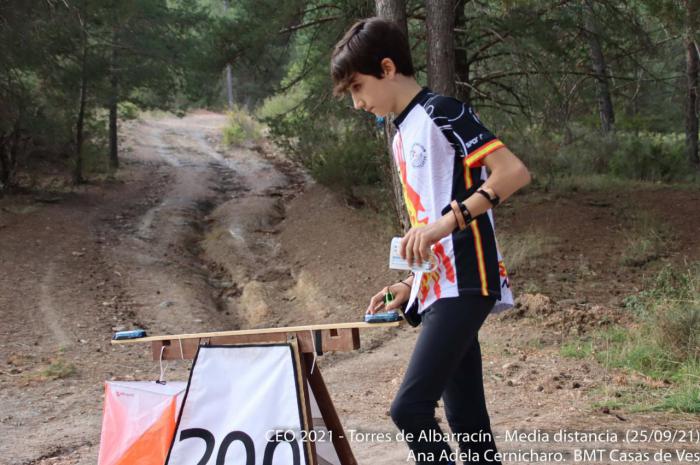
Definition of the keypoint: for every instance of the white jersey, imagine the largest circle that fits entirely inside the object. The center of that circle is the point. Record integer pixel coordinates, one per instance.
(438, 149)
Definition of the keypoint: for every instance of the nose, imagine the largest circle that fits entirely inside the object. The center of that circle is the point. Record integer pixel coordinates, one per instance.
(357, 103)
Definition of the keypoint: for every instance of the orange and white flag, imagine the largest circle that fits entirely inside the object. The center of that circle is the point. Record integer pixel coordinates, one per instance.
(139, 422)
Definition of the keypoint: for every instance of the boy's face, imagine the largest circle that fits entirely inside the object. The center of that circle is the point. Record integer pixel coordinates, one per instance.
(371, 94)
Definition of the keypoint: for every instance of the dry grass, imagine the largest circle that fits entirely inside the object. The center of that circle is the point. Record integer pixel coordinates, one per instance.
(524, 248)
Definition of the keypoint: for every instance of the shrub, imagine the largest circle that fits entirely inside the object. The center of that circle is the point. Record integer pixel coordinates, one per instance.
(348, 161)
(241, 128)
(649, 156)
(127, 110)
(644, 155)
(341, 147)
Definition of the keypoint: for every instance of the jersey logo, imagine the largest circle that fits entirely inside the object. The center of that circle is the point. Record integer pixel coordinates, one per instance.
(417, 155)
(470, 143)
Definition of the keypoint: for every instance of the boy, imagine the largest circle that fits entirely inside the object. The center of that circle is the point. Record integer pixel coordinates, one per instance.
(441, 150)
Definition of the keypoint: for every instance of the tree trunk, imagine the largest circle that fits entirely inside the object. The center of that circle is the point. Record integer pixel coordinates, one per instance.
(395, 10)
(691, 113)
(462, 92)
(605, 106)
(5, 172)
(440, 24)
(113, 104)
(9, 152)
(229, 78)
(78, 173)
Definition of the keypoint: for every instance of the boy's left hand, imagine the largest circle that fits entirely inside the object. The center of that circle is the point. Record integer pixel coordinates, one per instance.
(415, 245)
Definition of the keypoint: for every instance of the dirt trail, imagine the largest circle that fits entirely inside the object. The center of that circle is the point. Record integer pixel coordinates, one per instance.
(195, 237)
(109, 257)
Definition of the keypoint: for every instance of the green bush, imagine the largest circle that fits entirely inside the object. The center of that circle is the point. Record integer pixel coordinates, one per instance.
(279, 104)
(649, 156)
(127, 110)
(644, 156)
(340, 147)
(347, 161)
(241, 128)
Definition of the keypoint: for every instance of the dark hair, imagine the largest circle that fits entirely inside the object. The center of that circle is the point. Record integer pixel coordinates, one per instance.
(362, 49)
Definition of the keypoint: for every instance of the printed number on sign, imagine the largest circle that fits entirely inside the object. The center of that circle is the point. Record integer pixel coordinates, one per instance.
(247, 442)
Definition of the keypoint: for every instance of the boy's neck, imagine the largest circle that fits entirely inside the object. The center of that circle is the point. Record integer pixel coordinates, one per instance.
(406, 89)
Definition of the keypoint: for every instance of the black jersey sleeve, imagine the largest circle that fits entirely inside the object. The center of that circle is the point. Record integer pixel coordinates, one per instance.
(463, 129)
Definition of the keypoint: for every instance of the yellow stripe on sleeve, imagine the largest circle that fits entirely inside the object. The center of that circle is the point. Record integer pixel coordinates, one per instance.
(482, 152)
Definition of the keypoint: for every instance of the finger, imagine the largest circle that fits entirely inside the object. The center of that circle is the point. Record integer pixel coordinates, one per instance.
(424, 250)
(377, 301)
(417, 251)
(402, 247)
(372, 303)
(409, 251)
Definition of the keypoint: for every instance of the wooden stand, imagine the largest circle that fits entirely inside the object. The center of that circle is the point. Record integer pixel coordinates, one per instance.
(311, 340)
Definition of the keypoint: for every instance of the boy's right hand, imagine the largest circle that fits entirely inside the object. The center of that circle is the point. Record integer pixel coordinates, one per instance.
(401, 294)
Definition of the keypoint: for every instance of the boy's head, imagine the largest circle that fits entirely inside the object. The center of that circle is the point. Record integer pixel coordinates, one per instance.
(372, 53)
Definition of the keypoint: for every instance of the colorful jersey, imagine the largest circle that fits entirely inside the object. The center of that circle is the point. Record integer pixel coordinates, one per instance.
(439, 150)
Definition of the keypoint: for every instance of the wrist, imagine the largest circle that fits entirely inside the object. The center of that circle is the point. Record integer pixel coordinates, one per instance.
(448, 222)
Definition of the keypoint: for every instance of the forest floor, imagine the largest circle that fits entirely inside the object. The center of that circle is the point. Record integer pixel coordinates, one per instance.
(190, 236)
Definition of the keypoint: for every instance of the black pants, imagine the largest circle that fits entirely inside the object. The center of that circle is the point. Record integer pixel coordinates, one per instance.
(446, 362)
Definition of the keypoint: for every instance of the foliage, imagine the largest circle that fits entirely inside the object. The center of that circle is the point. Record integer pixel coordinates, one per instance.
(525, 66)
(241, 128)
(128, 110)
(147, 52)
(672, 307)
(661, 348)
(641, 156)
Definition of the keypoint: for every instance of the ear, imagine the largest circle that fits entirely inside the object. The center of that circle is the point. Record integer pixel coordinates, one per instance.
(388, 68)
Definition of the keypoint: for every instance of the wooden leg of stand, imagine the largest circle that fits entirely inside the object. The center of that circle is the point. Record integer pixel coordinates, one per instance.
(307, 407)
(330, 416)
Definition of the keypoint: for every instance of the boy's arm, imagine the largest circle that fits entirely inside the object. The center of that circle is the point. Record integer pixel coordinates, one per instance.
(508, 175)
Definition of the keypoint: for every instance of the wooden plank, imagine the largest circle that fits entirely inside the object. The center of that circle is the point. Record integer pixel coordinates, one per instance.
(343, 340)
(288, 329)
(330, 416)
(185, 349)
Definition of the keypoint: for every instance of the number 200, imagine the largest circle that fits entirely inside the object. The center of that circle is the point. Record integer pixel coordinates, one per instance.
(247, 442)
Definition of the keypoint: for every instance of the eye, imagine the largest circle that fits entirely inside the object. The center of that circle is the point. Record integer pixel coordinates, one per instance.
(355, 87)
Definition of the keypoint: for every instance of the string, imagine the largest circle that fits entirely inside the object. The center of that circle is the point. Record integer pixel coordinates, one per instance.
(161, 378)
(313, 344)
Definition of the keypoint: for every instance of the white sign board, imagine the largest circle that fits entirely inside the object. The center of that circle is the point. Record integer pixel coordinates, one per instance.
(238, 400)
